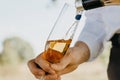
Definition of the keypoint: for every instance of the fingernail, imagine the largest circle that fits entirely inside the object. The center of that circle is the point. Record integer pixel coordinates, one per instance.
(42, 78)
(53, 71)
(56, 67)
(38, 77)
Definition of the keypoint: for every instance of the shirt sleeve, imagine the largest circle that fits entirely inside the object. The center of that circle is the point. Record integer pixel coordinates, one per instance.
(93, 33)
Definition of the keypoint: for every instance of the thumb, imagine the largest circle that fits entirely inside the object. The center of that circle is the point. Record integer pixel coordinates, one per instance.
(65, 61)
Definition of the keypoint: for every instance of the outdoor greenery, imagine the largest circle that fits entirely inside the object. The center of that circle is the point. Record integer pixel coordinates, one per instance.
(15, 51)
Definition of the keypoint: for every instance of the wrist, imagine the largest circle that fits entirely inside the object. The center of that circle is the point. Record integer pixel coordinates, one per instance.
(84, 51)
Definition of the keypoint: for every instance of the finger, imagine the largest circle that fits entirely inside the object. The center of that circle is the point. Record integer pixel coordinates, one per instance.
(45, 65)
(59, 78)
(34, 69)
(51, 77)
(65, 61)
(68, 69)
(39, 77)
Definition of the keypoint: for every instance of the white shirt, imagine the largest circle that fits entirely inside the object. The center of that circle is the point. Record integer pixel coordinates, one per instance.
(101, 24)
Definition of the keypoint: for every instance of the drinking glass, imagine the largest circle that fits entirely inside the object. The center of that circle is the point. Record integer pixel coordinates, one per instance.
(61, 34)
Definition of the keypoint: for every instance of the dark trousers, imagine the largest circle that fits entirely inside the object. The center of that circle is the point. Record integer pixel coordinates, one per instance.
(114, 61)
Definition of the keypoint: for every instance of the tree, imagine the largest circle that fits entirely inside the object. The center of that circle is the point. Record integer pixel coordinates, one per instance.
(15, 51)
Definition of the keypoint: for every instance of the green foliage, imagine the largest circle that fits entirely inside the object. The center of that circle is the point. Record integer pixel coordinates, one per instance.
(16, 51)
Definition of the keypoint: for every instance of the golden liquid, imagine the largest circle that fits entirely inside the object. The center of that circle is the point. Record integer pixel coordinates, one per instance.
(54, 55)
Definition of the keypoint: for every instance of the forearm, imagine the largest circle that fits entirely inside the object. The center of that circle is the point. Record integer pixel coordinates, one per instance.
(83, 51)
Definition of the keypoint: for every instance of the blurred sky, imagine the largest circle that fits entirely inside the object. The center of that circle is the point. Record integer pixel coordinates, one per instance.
(30, 20)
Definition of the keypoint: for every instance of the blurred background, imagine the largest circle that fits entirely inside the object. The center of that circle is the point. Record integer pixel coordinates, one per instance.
(24, 28)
